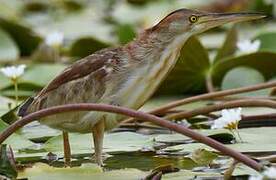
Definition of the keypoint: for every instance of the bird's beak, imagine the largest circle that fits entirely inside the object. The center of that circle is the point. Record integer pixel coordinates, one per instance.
(216, 19)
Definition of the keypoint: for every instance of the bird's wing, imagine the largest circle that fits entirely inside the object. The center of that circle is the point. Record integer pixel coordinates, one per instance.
(94, 66)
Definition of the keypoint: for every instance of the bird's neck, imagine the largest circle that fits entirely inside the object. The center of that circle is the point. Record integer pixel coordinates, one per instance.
(150, 46)
(151, 59)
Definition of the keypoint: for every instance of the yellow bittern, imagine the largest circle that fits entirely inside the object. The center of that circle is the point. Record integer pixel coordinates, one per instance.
(124, 76)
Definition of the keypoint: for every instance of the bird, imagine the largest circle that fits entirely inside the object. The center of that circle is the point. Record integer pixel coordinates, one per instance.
(126, 75)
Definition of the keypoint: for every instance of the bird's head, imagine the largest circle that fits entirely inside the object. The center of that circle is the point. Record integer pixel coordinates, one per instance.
(191, 22)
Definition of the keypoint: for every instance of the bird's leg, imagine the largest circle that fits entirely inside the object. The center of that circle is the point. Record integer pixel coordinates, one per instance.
(98, 135)
(66, 149)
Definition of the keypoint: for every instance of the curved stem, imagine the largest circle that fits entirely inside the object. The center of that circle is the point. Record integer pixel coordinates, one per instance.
(225, 105)
(259, 117)
(132, 113)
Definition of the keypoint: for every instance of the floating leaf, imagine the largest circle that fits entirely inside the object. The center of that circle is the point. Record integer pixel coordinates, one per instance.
(203, 157)
(241, 77)
(38, 132)
(86, 171)
(178, 138)
(189, 72)
(114, 142)
(8, 49)
(16, 141)
(185, 175)
(41, 74)
(86, 46)
(264, 62)
(255, 140)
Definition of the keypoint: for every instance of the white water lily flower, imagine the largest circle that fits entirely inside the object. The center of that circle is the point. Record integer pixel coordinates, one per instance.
(13, 72)
(54, 39)
(248, 46)
(229, 119)
(270, 173)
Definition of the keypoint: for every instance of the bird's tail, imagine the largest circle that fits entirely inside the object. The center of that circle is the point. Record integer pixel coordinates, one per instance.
(24, 107)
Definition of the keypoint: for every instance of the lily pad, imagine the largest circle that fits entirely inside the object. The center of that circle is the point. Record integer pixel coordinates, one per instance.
(86, 171)
(187, 175)
(264, 62)
(176, 138)
(255, 140)
(113, 142)
(241, 77)
(38, 133)
(8, 49)
(24, 37)
(16, 141)
(41, 74)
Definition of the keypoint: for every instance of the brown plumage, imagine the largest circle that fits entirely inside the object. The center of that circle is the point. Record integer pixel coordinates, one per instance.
(124, 76)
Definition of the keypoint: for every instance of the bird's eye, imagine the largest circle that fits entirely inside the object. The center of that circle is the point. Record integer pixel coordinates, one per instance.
(193, 19)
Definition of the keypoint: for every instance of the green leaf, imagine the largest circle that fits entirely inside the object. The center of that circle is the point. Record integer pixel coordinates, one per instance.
(187, 175)
(264, 62)
(203, 157)
(190, 70)
(16, 141)
(38, 133)
(255, 140)
(41, 74)
(178, 138)
(125, 33)
(8, 49)
(25, 89)
(5, 104)
(268, 41)
(242, 77)
(114, 142)
(86, 171)
(229, 45)
(86, 46)
(24, 37)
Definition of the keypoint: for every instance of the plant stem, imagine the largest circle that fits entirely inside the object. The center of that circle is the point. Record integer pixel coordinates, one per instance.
(209, 82)
(132, 113)
(16, 91)
(238, 133)
(218, 107)
(209, 96)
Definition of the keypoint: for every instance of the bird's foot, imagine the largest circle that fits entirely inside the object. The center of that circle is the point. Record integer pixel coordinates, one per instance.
(99, 160)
